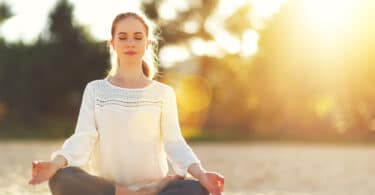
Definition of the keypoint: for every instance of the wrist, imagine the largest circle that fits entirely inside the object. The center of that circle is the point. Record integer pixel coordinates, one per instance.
(55, 167)
(59, 162)
(196, 170)
(201, 174)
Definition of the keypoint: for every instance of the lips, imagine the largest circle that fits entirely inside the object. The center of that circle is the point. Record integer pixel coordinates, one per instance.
(131, 53)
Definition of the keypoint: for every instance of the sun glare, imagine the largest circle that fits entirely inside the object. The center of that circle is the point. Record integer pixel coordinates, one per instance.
(327, 14)
(326, 27)
(262, 10)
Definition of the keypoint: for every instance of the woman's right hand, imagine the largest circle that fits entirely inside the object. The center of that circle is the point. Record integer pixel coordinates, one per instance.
(42, 171)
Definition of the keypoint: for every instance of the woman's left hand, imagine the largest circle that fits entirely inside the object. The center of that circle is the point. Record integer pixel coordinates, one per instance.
(213, 182)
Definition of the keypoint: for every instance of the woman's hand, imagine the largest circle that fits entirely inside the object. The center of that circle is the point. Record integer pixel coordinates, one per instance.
(42, 171)
(213, 182)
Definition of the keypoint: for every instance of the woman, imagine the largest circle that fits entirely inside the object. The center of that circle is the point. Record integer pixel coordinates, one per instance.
(126, 130)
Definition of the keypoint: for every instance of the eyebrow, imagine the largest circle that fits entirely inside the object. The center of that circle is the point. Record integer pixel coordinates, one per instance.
(133, 33)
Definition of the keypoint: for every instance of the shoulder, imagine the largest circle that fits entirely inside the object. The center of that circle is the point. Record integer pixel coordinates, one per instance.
(164, 88)
(94, 83)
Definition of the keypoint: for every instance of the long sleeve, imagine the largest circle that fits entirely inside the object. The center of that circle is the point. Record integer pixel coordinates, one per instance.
(78, 147)
(180, 155)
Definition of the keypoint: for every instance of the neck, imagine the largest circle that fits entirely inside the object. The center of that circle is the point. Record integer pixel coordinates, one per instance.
(130, 71)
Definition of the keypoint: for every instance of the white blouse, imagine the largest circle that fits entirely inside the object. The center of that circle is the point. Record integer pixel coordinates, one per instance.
(126, 135)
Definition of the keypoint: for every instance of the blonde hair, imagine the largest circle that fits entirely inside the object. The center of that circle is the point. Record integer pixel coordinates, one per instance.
(150, 59)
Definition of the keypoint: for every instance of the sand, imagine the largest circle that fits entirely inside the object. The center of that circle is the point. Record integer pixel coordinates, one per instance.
(261, 168)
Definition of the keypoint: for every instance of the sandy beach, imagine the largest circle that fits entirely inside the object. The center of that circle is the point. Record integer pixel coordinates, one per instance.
(261, 168)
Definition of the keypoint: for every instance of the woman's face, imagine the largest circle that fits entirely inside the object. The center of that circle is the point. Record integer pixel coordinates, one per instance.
(130, 40)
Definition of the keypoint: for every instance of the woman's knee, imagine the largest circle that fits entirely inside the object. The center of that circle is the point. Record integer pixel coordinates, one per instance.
(62, 178)
(75, 181)
(185, 187)
(195, 187)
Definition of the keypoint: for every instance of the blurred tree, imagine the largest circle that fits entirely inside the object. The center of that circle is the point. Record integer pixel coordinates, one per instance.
(47, 77)
(172, 31)
(74, 53)
(5, 12)
(227, 87)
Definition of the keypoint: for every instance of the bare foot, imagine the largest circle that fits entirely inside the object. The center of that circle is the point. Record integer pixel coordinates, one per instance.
(154, 189)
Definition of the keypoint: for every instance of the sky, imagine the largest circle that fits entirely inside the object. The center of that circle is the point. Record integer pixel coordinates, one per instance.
(85, 13)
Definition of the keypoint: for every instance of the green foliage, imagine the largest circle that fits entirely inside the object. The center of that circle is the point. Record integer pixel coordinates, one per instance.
(252, 97)
(42, 78)
(5, 12)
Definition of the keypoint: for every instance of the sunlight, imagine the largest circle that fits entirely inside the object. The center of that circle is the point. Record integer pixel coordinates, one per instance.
(327, 14)
(171, 54)
(189, 89)
(372, 124)
(226, 8)
(252, 102)
(228, 42)
(18, 26)
(100, 24)
(328, 29)
(266, 8)
(341, 126)
(323, 105)
(249, 45)
(167, 11)
(191, 26)
(200, 47)
(193, 111)
(262, 10)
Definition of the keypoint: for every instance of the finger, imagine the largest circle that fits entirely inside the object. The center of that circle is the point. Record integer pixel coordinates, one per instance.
(219, 177)
(221, 186)
(34, 172)
(35, 162)
(35, 169)
(34, 181)
(38, 181)
(220, 182)
(215, 191)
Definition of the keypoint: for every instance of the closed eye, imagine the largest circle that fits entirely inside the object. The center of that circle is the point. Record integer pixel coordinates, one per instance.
(136, 38)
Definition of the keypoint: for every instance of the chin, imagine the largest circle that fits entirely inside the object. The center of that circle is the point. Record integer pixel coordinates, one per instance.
(131, 60)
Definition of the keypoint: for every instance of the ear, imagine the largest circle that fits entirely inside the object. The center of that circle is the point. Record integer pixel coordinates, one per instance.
(110, 42)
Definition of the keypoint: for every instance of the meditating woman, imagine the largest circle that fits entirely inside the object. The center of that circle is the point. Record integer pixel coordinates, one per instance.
(127, 130)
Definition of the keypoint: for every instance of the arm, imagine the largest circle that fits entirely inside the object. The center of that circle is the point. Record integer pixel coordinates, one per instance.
(59, 161)
(77, 148)
(196, 170)
(179, 153)
(212, 181)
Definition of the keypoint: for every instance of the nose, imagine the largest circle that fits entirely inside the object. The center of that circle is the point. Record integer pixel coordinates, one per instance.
(130, 43)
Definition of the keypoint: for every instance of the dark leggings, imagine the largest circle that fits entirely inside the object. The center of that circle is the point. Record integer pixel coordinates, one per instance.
(75, 181)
